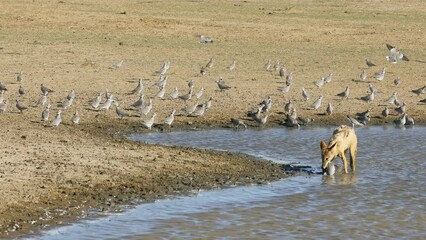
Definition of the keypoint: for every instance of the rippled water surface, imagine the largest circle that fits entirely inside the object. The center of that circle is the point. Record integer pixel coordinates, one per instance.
(385, 199)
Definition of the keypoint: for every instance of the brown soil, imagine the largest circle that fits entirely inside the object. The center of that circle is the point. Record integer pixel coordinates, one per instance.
(71, 45)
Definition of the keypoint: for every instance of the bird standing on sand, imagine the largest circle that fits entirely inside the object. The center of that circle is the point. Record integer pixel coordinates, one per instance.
(20, 106)
(21, 90)
(139, 103)
(419, 91)
(145, 110)
(267, 65)
(317, 103)
(289, 79)
(397, 81)
(174, 94)
(329, 109)
(45, 90)
(369, 63)
(208, 103)
(187, 96)
(138, 89)
(221, 84)
(380, 75)
(117, 65)
(363, 75)
(391, 99)
(75, 119)
(281, 72)
(169, 119)
(120, 113)
(205, 40)
(107, 104)
(57, 120)
(2, 87)
(305, 94)
(71, 95)
(385, 112)
(199, 93)
(3, 106)
(328, 78)
(161, 93)
(96, 101)
(149, 122)
(199, 111)
(237, 123)
(20, 76)
(344, 94)
(320, 82)
(190, 108)
(45, 114)
(232, 65)
(42, 100)
(288, 107)
(369, 97)
(373, 89)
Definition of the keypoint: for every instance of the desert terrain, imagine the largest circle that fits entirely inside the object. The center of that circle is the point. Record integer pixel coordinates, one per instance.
(50, 175)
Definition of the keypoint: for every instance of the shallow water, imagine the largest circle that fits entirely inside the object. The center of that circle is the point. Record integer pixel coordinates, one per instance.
(384, 200)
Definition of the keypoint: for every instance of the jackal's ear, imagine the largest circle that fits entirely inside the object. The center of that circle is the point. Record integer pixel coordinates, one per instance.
(323, 145)
(332, 146)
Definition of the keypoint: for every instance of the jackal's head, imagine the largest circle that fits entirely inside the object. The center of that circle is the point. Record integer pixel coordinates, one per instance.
(328, 154)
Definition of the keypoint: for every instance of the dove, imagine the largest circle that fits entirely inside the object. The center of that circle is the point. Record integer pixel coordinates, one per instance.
(57, 120)
(221, 84)
(267, 65)
(199, 93)
(419, 91)
(45, 89)
(232, 65)
(385, 112)
(237, 123)
(369, 63)
(75, 119)
(120, 113)
(317, 103)
(169, 119)
(380, 75)
(45, 114)
(344, 94)
(138, 89)
(363, 75)
(174, 94)
(20, 76)
(117, 65)
(305, 94)
(205, 40)
(150, 122)
(369, 97)
(94, 103)
(329, 109)
(20, 106)
(21, 90)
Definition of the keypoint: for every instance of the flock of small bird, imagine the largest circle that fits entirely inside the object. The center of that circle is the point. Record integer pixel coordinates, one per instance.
(259, 113)
(361, 119)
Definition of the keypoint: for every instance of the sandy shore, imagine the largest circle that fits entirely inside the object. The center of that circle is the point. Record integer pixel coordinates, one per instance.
(50, 175)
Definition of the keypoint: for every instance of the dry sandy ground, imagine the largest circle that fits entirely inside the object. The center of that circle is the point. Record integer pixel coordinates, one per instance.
(71, 45)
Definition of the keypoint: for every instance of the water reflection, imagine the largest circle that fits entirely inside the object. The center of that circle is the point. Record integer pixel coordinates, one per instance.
(340, 179)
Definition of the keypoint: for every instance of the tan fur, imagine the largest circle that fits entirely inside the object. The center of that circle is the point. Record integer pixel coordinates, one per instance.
(343, 139)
